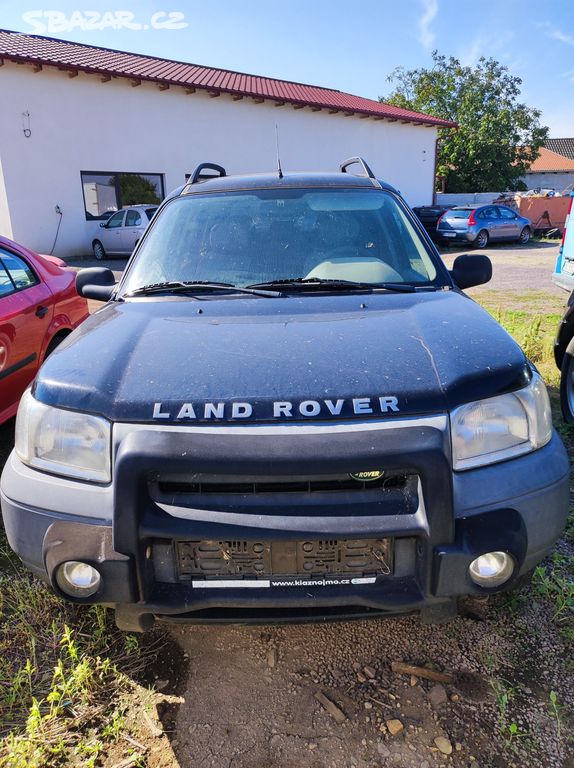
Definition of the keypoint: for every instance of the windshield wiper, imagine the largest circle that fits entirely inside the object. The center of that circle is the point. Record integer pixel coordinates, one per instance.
(312, 282)
(191, 286)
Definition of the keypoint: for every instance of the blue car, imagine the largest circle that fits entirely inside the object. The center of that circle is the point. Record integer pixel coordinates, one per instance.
(479, 226)
(564, 271)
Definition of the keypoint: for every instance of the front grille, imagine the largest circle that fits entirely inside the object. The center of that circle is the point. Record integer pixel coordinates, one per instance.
(229, 484)
(213, 559)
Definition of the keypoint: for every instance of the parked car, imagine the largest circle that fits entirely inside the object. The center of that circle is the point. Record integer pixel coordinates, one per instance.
(39, 307)
(564, 270)
(479, 226)
(121, 232)
(287, 409)
(428, 215)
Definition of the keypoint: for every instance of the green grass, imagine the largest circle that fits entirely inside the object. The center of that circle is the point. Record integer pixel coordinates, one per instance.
(65, 672)
(535, 332)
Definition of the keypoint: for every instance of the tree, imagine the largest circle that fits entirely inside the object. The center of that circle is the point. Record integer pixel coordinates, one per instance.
(497, 137)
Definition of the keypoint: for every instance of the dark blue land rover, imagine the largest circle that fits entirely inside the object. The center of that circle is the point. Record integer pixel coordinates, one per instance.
(286, 409)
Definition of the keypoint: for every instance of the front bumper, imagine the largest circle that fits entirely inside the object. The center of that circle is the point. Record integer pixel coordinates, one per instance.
(519, 506)
(563, 280)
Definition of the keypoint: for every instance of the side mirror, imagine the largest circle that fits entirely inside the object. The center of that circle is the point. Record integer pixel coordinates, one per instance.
(96, 283)
(469, 270)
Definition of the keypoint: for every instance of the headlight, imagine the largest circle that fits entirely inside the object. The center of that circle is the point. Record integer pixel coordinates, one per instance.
(501, 427)
(63, 442)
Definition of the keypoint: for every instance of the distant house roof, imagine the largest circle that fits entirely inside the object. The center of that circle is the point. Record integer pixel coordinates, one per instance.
(77, 57)
(549, 161)
(561, 146)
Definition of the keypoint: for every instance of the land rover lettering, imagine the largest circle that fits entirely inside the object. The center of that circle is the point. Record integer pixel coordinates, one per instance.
(281, 409)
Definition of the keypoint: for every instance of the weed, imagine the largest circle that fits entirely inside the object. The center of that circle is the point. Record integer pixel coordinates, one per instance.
(512, 732)
(569, 530)
(502, 694)
(557, 587)
(63, 672)
(556, 710)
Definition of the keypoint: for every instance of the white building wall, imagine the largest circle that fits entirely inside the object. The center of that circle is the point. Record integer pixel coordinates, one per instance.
(81, 123)
(466, 198)
(550, 180)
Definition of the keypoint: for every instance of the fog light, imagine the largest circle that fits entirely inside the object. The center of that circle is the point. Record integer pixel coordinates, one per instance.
(491, 569)
(78, 579)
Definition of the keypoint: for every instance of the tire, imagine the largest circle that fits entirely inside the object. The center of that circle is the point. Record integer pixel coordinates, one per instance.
(54, 343)
(567, 384)
(99, 250)
(482, 239)
(524, 236)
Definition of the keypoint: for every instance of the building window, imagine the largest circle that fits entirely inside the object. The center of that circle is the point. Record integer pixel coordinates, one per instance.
(108, 192)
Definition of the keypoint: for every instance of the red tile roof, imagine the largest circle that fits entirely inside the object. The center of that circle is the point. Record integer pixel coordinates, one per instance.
(37, 49)
(551, 161)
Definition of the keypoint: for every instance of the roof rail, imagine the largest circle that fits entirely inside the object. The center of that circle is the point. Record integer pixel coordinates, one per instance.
(198, 174)
(367, 171)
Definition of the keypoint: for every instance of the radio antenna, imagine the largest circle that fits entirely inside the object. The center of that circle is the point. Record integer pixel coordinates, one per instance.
(280, 172)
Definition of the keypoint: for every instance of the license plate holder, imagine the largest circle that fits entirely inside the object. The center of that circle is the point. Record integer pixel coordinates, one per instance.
(296, 560)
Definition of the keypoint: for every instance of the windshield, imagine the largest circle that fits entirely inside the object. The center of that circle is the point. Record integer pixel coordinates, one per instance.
(259, 236)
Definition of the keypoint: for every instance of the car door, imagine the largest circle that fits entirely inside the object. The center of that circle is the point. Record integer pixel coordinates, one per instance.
(25, 314)
(492, 221)
(509, 224)
(132, 230)
(111, 234)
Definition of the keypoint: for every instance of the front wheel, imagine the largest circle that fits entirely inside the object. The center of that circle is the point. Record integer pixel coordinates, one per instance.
(482, 239)
(524, 236)
(99, 250)
(567, 384)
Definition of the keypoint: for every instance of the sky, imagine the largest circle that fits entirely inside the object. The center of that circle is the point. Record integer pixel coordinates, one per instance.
(351, 45)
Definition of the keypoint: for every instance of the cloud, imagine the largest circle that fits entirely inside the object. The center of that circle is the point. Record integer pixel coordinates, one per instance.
(556, 34)
(426, 35)
(471, 54)
(497, 44)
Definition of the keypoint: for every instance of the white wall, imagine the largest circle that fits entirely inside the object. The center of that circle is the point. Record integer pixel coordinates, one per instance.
(466, 198)
(81, 123)
(555, 181)
(5, 222)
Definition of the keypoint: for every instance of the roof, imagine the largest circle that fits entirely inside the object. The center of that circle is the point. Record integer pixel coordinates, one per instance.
(563, 147)
(551, 161)
(296, 179)
(77, 57)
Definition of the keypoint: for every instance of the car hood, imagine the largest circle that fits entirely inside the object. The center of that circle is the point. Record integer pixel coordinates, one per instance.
(357, 356)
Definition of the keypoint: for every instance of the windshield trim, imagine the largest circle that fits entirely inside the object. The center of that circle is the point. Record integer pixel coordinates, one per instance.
(442, 278)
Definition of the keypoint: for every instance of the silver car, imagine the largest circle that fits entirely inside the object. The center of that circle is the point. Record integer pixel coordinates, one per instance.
(121, 232)
(480, 225)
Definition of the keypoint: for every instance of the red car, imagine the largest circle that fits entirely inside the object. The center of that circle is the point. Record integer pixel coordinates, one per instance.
(39, 307)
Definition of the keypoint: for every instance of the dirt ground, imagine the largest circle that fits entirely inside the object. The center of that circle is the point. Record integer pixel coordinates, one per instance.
(248, 695)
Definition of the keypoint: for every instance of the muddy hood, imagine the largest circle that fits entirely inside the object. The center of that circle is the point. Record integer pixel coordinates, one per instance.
(294, 358)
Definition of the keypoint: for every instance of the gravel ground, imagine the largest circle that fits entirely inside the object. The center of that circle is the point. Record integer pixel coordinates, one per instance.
(249, 694)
